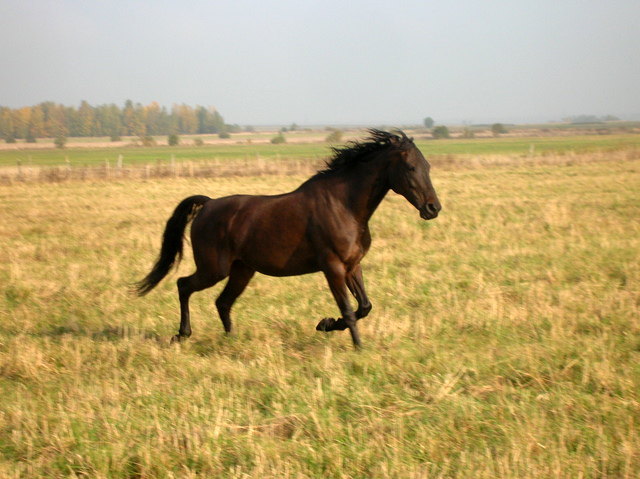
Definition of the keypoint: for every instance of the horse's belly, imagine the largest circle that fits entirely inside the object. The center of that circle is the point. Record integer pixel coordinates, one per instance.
(282, 263)
(299, 270)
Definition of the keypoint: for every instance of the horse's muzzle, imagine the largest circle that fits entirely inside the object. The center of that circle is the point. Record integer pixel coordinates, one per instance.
(429, 211)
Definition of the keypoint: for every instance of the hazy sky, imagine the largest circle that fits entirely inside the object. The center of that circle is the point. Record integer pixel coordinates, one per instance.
(329, 62)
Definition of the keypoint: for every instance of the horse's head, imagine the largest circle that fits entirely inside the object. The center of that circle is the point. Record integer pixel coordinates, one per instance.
(409, 177)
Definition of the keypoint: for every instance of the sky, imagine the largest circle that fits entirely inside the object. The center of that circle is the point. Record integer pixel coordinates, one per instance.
(329, 62)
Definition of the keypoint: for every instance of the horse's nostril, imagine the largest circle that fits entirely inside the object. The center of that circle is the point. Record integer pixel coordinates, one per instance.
(432, 207)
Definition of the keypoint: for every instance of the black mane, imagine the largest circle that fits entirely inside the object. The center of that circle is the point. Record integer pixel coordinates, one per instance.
(358, 151)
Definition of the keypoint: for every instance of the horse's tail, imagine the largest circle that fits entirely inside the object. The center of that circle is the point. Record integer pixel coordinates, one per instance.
(171, 242)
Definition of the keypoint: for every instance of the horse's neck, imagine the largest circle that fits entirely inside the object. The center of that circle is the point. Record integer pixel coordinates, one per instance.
(367, 187)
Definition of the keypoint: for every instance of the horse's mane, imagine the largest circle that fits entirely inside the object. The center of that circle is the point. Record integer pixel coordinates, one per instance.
(359, 151)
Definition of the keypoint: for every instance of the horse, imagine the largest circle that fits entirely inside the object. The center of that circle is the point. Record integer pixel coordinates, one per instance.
(322, 226)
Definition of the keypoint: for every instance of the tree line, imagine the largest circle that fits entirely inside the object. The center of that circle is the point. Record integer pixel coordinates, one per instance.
(52, 120)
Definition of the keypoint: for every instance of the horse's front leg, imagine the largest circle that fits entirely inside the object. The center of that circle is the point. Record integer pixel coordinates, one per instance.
(355, 283)
(337, 279)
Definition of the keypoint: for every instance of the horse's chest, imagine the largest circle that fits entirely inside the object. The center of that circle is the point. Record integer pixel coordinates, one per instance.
(353, 247)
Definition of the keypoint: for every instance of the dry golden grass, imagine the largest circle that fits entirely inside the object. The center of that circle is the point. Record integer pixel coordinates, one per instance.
(504, 339)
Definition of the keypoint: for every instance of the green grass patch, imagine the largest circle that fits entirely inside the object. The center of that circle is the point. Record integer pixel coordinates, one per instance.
(317, 150)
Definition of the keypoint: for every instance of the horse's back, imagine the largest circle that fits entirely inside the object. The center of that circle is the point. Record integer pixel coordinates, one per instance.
(267, 233)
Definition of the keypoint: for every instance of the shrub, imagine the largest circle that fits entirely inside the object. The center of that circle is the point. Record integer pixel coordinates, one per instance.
(498, 128)
(115, 137)
(225, 135)
(198, 141)
(440, 132)
(60, 141)
(10, 139)
(279, 138)
(173, 140)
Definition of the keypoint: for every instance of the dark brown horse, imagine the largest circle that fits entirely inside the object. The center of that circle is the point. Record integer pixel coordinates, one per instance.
(321, 226)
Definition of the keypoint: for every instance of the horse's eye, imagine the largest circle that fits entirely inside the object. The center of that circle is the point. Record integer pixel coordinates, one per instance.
(412, 168)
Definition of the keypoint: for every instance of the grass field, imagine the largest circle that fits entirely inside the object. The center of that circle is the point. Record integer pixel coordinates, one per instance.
(504, 340)
(312, 150)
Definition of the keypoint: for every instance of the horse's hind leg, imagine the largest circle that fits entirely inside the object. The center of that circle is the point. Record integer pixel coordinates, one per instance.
(187, 285)
(239, 278)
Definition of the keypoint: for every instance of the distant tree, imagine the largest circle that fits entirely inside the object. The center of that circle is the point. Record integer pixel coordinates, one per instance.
(10, 138)
(249, 129)
(6, 123)
(109, 120)
(187, 119)
(440, 131)
(334, 137)
(279, 138)
(497, 129)
(36, 122)
(21, 119)
(173, 140)
(468, 133)
(209, 120)
(216, 122)
(55, 120)
(60, 141)
(225, 135)
(198, 141)
(133, 119)
(293, 127)
(428, 122)
(85, 120)
(49, 119)
(154, 118)
(30, 138)
(71, 120)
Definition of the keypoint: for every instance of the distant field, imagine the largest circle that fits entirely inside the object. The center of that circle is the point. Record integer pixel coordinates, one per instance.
(316, 149)
(504, 340)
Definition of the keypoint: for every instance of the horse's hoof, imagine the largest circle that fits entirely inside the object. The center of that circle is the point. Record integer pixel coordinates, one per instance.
(326, 325)
(177, 339)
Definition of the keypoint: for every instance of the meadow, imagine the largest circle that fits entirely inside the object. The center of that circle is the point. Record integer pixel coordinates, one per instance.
(504, 339)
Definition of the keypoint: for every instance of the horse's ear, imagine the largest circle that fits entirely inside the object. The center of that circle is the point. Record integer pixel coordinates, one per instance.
(398, 137)
(395, 140)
